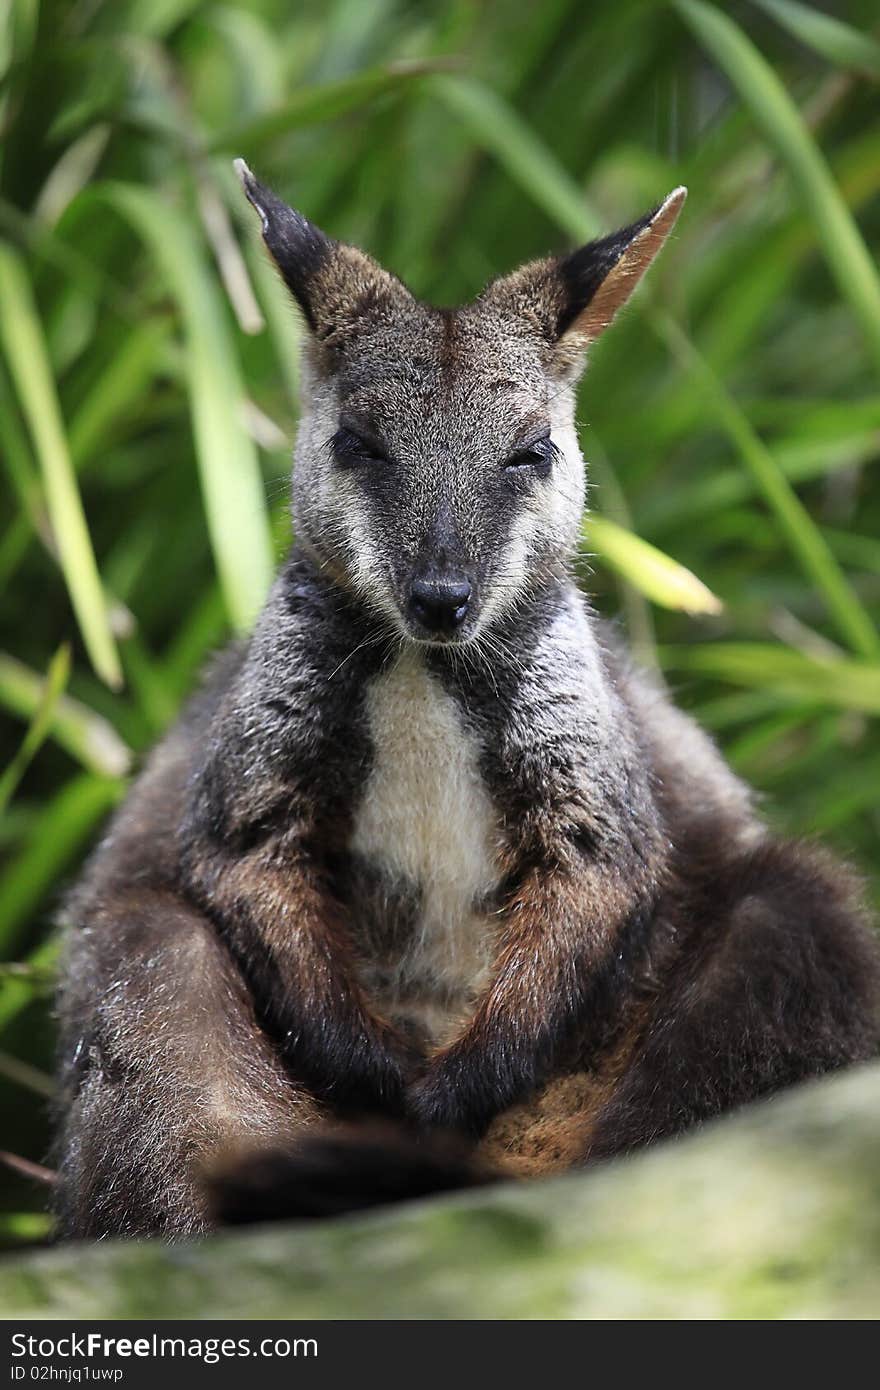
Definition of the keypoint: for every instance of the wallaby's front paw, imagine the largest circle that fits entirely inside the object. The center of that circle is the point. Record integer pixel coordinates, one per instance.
(364, 1075)
(450, 1097)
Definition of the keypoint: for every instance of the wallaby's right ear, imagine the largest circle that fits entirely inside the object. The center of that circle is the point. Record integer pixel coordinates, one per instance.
(337, 286)
(572, 299)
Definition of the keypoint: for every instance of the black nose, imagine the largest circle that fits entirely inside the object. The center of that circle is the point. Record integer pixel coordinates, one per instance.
(439, 605)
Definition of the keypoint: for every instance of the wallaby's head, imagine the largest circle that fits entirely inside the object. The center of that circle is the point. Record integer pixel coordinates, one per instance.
(437, 470)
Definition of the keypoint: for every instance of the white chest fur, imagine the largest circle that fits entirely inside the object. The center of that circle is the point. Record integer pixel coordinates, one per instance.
(426, 818)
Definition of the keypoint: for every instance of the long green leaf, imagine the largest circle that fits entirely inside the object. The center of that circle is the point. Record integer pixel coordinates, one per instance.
(119, 387)
(13, 546)
(59, 835)
(803, 535)
(314, 105)
(25, 1227)
(18, 461)
(22, 984)
(851, 791)
(229, 469)
(773, 109)
(498, 128)
(83, 733)
(845, 684)
(827, 35)
(56, 679)
(800, 459)
(29, 364)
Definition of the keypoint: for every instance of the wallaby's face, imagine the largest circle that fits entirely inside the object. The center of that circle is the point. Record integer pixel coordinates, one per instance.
(437, 470)
(437, 467)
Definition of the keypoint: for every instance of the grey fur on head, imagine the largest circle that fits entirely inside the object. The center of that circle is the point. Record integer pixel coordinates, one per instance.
(437, 458)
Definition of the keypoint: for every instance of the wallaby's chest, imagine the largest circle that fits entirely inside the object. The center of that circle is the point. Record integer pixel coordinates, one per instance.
(426, 837)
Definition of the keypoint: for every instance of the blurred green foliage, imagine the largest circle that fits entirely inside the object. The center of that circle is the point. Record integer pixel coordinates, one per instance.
(148, 366)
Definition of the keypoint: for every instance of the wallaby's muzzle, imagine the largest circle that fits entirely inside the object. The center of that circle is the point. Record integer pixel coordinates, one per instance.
(439, 607)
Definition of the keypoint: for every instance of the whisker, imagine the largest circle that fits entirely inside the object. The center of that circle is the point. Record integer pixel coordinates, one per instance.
(369, 641)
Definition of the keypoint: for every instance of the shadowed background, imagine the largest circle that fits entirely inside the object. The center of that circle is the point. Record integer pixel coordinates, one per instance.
(148, 369)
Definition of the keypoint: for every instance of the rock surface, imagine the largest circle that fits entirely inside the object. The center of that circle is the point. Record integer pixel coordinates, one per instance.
(773, 1213)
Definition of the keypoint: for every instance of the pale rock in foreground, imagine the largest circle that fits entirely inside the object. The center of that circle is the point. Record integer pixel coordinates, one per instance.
(774, 1213)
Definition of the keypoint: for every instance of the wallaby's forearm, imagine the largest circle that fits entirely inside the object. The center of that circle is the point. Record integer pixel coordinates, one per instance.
(291, 940)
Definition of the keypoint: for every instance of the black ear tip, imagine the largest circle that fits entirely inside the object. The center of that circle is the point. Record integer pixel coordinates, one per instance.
(275, 213)
(297, 246)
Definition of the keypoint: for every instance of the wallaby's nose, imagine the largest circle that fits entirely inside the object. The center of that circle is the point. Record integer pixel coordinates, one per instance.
(439, 605)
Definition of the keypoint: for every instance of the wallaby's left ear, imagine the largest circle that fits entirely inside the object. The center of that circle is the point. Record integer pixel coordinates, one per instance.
(572, 299)
(599, 278)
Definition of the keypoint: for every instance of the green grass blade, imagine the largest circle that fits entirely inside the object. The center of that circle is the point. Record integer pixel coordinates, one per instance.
(852, 791)
(863, 552)
(13, 546)
(798, 459)
(803, 536)
(203, 629)
(85, 735)
(827, 35)
(497, 127)
(315, 105)
(772, 108)
(119, 387)
(23, 1074)
(28, 361)
(21, 983)
(658, 576)
(842, 683)
(60, 834)
(25, 1227)
(18, 462)
(56, 679)
(229, 469)
(725, 712)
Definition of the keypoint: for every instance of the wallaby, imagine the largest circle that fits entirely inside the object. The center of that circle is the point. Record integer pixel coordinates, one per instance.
(427, 858)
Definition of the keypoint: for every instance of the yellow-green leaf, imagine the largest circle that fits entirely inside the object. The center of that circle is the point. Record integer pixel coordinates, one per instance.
(655, 574)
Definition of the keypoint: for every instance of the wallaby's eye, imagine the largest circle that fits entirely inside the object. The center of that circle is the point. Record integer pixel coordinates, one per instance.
(350, 448)
(536, 457)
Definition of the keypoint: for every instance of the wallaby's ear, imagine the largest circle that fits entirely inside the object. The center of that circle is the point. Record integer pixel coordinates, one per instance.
(600, 277)
(336, 286)
(298, 248)
(573, 298)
